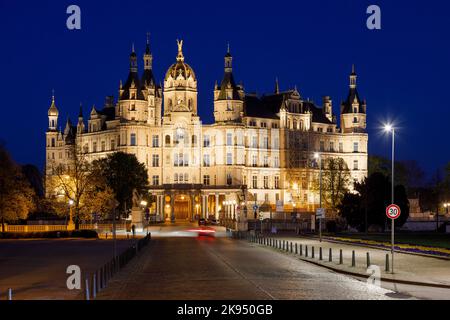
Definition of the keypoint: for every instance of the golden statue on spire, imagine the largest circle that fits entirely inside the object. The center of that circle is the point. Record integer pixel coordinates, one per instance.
(180, 56)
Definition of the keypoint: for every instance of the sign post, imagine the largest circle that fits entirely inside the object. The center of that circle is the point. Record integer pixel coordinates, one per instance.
(320, 214)
(393, 212)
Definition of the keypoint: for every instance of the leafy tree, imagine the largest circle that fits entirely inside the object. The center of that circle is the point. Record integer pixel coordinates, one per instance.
(123, 173)
(370, 201)
(77, 181)
(16, 194)
(335, 182)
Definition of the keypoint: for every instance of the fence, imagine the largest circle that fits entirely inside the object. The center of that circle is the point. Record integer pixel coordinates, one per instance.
(98, 280)
(107, 227)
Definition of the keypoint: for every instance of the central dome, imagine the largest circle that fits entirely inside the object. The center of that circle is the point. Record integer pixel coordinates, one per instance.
(180, 67)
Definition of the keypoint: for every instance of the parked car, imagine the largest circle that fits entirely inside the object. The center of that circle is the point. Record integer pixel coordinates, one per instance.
(202, 222)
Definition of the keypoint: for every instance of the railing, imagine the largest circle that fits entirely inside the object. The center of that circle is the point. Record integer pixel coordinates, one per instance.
(101, 227)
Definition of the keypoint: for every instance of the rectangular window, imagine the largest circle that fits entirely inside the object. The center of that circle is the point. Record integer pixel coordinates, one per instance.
(255, 182)
(133, 139)
(254, 142)
(263, 125)
(206, 180)
(155, 180)
(229, 179)
(113, 145)
(206, 160)
(229, 139)
(322, 146)
(186, 177)
(266, 142)
(276, 182)
(155, 141)
(53, 142)
(276, 162)
(355, 147)
(252, 123)
(254, 160)
(206, 141)
(94, 147)
(229, 158)
(331, 146)
(276, 143)
(274, 125)
(155, 160)
(266, 197)
(175, 178)
(266, 161)
(341, 147)
(355, 165)
(103, 146)
(266, 182)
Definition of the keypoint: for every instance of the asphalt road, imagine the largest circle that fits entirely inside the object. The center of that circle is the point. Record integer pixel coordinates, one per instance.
(36, 269)
(209, 268)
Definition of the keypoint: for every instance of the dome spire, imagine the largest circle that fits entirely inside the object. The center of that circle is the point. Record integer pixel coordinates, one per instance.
(353, 77)
(228, 59)
(148, 58)
(180, 56)
(277, 87)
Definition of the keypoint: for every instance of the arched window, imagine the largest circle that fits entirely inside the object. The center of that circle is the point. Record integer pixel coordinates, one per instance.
(167, 140)
(170, 103)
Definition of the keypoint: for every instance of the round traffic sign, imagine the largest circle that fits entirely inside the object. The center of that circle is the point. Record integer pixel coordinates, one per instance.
(393, 211)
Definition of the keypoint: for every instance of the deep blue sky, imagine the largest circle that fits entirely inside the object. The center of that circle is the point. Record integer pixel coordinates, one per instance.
(403, 69)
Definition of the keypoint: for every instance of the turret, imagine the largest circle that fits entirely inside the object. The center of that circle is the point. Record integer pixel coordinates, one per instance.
(80, 125)
(228, 97)
(53, 114)
(353, 110)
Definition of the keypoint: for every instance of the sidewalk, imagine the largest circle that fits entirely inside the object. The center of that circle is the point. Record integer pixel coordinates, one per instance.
(414, 269)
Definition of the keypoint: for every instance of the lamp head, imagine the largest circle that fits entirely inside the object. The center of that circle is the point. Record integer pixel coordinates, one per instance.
(388, 127)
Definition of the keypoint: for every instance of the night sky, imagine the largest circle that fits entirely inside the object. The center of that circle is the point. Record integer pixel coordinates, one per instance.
(402, 69)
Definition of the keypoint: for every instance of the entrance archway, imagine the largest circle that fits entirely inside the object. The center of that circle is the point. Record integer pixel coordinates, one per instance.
(182, 207)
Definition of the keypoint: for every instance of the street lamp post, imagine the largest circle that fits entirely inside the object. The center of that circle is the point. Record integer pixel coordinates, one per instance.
(390, 128)
(319, 157)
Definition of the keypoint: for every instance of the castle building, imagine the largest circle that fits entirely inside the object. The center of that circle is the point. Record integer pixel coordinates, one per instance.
(259, 150)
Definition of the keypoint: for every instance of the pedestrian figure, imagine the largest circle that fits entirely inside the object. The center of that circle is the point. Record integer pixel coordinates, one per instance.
(133, 229)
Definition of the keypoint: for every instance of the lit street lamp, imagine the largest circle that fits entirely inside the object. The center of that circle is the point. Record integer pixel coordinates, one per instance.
(389, 128)
(317, 156)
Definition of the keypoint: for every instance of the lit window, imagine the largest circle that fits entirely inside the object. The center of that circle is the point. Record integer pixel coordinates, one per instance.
(229, 158)
(355, 165)
(155, 141)
(155, 180)
(255, 182)
(355, 147)
(229, 139)
(206, 180)
(155, 160)
(133, 139)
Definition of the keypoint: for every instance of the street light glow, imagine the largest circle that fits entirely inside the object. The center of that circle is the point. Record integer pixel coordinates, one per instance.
(316, 155)
(70, 202)
(388, 127)
(143, 203)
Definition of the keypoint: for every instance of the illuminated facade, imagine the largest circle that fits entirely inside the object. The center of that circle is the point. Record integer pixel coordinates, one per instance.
(258, 150)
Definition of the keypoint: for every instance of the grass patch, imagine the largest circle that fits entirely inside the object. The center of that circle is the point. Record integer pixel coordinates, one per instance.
(420, 239)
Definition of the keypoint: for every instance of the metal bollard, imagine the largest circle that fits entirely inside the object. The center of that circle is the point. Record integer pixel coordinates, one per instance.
(291, 247)
(9, 294)
(341, 258)
(306, 251)
(87, 289)
(353, 258)
(94, 286)
(368, 259)
(301, 249)
(330, 255)
(320, 253)
(312, 252)
(296, 248)
(387, 262)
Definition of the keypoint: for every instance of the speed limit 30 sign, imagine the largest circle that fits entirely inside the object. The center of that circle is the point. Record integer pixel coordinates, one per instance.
(393, 211)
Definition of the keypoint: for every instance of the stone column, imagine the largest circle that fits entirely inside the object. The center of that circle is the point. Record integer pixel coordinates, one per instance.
(216, 203)
(203, 206)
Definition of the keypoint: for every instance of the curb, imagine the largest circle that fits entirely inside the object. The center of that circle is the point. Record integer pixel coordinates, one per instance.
(359, 275)
(379, 248)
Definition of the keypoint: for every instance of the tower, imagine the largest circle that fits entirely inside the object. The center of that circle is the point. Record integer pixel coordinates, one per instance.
(180, 86)
(152, 92)
(132, 104)
(80, 125)
(53, 114)
(353, 110)
(229, 97)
